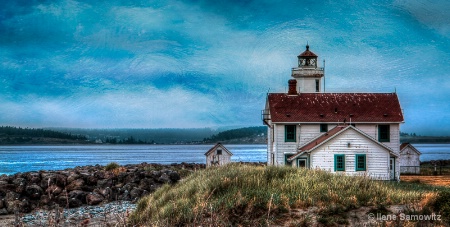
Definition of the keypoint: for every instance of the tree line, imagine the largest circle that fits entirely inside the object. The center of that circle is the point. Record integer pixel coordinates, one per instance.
(10, 131)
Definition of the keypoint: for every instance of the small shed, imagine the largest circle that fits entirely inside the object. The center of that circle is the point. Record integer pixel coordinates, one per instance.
(218, 155)
(409, 159)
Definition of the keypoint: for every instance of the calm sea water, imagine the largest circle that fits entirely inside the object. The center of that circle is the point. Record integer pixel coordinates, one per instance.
(15, 159)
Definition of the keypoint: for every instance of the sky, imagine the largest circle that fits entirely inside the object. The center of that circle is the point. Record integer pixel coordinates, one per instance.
(200, 63)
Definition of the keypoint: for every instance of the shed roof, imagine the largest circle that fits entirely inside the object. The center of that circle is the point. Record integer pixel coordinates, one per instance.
(405, 145)
(217, 146)
(335, 107)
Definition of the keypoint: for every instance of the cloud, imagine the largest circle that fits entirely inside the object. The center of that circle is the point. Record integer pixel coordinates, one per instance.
(205, 63)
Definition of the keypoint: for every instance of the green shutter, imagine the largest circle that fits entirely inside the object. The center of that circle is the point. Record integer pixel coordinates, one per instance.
(360, 162)
(339, 162)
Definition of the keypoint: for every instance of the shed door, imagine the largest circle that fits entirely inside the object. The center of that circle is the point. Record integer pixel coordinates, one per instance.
(392, 168)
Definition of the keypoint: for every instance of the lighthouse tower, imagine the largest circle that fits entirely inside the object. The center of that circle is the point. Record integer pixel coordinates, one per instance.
(308, 75)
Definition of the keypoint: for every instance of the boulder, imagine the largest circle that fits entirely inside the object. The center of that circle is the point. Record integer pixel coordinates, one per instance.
(174, 176)
(53, 190)
(75, 185)
(164, 178)
(135, 193)
(3, 211)
(146, 183)
(94, 198)
(34, 191)
(20, 184)
(78, 194)
(104, 183)
(33, 177)
(72, 176)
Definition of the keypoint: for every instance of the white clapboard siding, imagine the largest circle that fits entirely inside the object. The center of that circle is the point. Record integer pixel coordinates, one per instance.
(409, 161)
(377, 158)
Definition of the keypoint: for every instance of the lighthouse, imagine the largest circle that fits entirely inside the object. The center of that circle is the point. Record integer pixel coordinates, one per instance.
(308, 75)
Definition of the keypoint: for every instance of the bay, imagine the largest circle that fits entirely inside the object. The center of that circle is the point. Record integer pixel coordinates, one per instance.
(15, 159)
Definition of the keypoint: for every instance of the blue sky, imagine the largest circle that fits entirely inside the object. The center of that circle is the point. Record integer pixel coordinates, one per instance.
(164, 63)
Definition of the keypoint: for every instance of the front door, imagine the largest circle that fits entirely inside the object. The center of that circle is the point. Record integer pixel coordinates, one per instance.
(301, 163)
(392, 168)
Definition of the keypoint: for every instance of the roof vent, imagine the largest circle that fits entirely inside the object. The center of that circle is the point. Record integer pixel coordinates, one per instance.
(385, 114)
(321, 115)
(335, 110)
(351, 115)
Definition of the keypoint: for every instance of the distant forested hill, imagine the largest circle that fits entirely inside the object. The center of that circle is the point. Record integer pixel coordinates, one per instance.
(17, 135)
(145, 136)
(241, 135)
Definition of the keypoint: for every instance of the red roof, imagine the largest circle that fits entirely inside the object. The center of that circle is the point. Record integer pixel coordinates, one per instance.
(335, 107)
(322, 138)
(307, 53)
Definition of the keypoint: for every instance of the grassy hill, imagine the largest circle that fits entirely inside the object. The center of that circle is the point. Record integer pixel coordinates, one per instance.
(237, 195)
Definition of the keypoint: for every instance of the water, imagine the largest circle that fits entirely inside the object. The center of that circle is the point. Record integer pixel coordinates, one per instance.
(15, 159)
(433, 151)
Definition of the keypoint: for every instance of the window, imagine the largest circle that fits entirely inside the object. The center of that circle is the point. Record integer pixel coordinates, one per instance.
(289, 133)
(219, 151)
(301, 163)
(323, 128)
(383, 133)
(360, 162)
(317, 85)
(339, 162)
(286, 156)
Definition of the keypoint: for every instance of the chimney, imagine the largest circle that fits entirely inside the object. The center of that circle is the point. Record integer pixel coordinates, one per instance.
(292, 87)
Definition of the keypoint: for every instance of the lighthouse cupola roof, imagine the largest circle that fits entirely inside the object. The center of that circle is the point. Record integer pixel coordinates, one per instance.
(307, 53)
(307, 59)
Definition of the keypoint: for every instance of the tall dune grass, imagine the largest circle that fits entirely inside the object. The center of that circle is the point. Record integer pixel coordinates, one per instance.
(250, 195)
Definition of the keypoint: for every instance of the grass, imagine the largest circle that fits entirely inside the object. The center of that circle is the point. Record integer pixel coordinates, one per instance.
(251, 195)
(112, 166)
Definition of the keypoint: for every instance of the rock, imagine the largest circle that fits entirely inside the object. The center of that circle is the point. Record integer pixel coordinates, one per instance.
(33, 177)
(20, 184)
(146, 183)
(155, 174)
(72, 176)
(164, 178)
(104, 183)
(94, 198)
(174, 176)
(63, 200)
(78, 194)
(50, 178)
(3, 211)
(34, 191)
(135, 193)
(73, 202)
(45, 200)
(91, 180)
(75, 185)
(53, 190)
(129, 187)
(105, 192)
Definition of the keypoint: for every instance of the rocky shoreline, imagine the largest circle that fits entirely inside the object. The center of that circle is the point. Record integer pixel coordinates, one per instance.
(87, 185)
